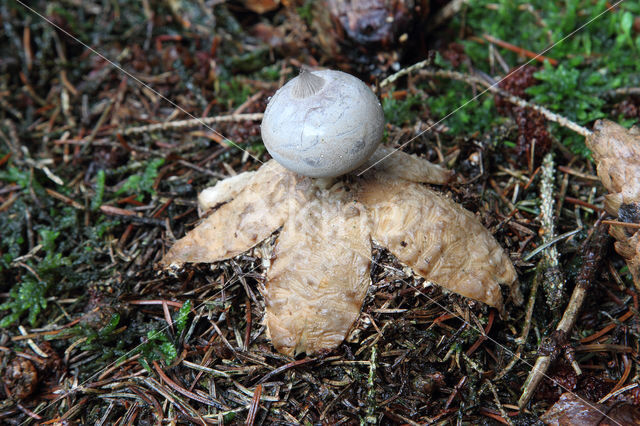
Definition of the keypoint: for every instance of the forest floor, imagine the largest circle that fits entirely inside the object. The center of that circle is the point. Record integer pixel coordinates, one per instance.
(92, 197)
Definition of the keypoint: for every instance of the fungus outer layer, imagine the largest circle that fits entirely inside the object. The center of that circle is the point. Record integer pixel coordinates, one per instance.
(616, 152)
(320, 266)
(441, 241)
(320, 274)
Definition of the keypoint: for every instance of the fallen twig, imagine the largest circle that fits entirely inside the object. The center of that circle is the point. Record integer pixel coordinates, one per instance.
(520, 50)
(553, 278)
(196, 122)
(492, 87)
(592, 257)
(408, 70)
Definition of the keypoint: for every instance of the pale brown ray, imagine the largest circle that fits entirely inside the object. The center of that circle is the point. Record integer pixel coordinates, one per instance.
(320, 274)
(257, 211)
(440, 240)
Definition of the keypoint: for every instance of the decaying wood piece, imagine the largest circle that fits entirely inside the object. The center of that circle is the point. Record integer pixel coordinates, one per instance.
(438, 239)
(616, 152)
(320, 266)
(318, 281)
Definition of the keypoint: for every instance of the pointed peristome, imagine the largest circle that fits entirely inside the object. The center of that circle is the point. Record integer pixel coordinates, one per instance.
(307, 84)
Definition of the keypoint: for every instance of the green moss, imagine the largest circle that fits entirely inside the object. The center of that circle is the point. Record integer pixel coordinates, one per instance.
(142, 184)
(30, 294)
(573, 93)
(477, 115)
(55, 264)
(306, 12)
(182, 316)
(157, 347)
(596, 48)
(233, 93)
(400, 112)
(96, 202)
(17, 176)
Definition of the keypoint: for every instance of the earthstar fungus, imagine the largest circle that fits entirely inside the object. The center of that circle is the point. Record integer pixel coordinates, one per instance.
(616, 152)
(318, 270)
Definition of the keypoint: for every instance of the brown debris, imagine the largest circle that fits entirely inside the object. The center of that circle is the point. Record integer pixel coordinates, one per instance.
(455, 53)
(616, 152)
(573, 410)
(628, 108)
(320, 267)
(20, 377)
(533, 136)
(516, 83)
(533, 140)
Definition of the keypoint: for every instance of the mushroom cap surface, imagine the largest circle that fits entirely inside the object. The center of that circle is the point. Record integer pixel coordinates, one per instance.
(323, 124)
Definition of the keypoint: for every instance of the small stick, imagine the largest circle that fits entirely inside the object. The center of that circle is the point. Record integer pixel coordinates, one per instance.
(496, 398)
(554, 280)
(626, 224)
(73, 203)
(97, 127)
(285, 367)
(185, 124)
(371, 393)
(592, 258)
(128, 215)
(247, 333)
(551, 242)
(519, 50)
(579, 202)
(472, 79)
(622, 91)
(393, 77)
(255, 406)
(176, 387)
(608, 328)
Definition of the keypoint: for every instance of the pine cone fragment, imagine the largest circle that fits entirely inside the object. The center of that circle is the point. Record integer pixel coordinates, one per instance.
(616, 152)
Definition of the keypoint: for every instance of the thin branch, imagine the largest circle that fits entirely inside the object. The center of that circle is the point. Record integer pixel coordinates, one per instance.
(193, 123)
(472, 79)
(393, 77)
(593, 253)
(553, 278)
